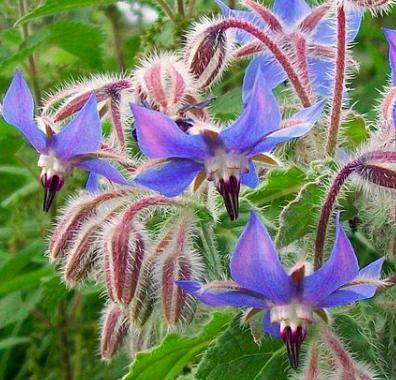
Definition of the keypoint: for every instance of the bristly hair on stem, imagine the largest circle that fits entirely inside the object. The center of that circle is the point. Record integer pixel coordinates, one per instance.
(339, 83)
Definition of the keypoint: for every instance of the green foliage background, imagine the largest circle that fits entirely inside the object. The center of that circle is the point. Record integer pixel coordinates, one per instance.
(47, 331)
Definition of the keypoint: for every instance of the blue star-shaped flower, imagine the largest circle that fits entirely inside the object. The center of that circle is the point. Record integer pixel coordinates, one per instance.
(225, 157)
(60, 152)
(288, 300)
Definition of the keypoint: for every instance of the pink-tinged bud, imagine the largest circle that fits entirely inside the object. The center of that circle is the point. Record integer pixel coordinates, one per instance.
(83, 254)
(178, 263)
(124, 246)
(370, 5)
(164, 81)
(74, 216)
(114, 330)
(124, 249)
(147, 290)
(207, 53)
(379, 168)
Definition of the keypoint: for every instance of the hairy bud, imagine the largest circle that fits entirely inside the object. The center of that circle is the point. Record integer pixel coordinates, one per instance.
(164, 82)
(124, 248)
(82, 256)
(374, 6)
(207, 53)
(114, 330)
(177, 263)
(74, 216)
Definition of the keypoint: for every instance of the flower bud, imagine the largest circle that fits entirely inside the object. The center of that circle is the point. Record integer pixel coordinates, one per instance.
(114, 330)
(83, 254)
(164, 82)
(75, 215)
(177, 263)
(207, 52)
(146, 293)
(373, 6)
(124, 249)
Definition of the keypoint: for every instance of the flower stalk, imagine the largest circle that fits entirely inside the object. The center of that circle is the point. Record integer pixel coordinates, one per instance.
(336, 108)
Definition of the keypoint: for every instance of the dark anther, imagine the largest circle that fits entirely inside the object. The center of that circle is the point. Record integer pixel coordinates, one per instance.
(230, 193)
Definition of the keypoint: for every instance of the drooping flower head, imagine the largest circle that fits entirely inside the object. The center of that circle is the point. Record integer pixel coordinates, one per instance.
(289, 300)
(60, 152)
(308, 36)
(224, 157)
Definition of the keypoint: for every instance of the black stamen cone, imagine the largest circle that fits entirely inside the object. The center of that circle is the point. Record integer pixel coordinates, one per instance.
(293, 341)
(230, 193)
(50, 189)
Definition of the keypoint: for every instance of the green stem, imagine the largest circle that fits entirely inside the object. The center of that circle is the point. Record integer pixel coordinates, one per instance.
(32, 68)
(191, 7)
(180, 8)
(166, 8)
(115, 21)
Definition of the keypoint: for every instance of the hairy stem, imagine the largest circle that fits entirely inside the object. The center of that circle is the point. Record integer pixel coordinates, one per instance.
(275, 50)
(327, 207)
(115, 20)
(32, 68)
(167, 9)
(302, 60)
(339, 82)
(180, 8)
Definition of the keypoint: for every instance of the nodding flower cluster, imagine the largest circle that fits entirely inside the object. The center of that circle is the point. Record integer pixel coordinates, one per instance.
(105, 233)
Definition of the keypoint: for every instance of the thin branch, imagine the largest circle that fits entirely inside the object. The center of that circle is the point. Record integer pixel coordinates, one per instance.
(339, 82)
(180, 8)
(167, 9)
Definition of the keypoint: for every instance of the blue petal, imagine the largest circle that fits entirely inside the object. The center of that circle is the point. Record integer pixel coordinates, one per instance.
(255, 264)
(390, 35)
(306, 118)
(223, 296)
(82, 135)
(252, 125)
(95, 165)
(321, 73)
(170, 178)
(271, 328)
(18, 110)
(355, 293)
(271, 70)
(159, 137)
(326, 31)
(241, 36)
(341, 268)
(92, 184)
(291, 11)
(250, 179)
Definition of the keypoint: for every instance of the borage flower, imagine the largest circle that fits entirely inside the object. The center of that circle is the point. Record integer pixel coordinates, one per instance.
(225, 157)
(308, 36)
(60, 152)
(288, 300)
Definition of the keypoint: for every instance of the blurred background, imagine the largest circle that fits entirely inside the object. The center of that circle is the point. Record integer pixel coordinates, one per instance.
(46, 330)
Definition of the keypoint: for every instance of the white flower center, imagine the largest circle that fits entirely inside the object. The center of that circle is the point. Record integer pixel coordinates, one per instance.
(294, 314)
(223, 165)
(51, 166)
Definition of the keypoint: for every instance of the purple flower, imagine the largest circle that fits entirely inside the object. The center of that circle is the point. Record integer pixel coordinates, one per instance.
(288, 300)
(225, 157)
(294, 20)
(60, 152)
(390, 35)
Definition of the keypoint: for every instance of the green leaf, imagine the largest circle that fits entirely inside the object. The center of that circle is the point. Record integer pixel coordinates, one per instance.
(354, 131)
(294, 220)
(11, 267)
(57, 6)
(25, 281)
(228, 105)
(13, 341)
(80, 39)
(168, 359)
(281, 187)
(236, 356)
